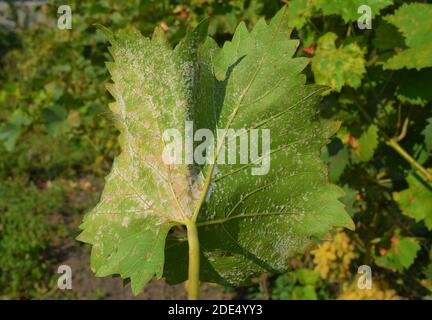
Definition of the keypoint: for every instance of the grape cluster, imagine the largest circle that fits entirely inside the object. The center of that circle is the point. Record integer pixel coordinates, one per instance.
(377, 292)
(332, 258)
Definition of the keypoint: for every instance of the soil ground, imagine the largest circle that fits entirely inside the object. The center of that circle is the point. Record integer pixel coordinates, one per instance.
(87, 286)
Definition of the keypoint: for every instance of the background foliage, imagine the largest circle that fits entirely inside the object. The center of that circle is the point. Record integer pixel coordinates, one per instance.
(58, 140)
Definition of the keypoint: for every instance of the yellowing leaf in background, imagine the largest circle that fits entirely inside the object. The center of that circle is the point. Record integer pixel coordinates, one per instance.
(338, 66)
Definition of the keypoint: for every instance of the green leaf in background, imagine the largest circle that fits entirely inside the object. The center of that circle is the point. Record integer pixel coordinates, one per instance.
(299, 12)
(416, 201)
(387, 37)
(338, 66)
(11, 130)
(306, 292)
(247, 223)
(54, 89)
(414, 86)
(307, 280)
(401, 255)
(337, 158)
(427, 132)
(348, 8)
(421, 153)
(418, 36)
(54, 119)
(428, 271)
(297, 285)
(350, 200)
(365, 146)
(307, 277)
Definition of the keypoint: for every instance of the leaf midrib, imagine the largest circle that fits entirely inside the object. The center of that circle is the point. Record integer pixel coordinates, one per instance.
(210, 170)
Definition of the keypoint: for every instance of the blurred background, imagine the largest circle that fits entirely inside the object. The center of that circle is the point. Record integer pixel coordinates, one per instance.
(57, 142)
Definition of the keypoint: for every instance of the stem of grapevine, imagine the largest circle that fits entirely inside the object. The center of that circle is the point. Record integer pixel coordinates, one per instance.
(395, 145)
(194, 261)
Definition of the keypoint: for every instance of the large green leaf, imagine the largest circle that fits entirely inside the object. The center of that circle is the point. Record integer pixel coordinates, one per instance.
(246, 223)
(348, 9)
(143, 198)
(418, 36)
(254, 223)
(338, 66)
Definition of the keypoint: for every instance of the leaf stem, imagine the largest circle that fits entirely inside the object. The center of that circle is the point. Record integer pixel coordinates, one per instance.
(404, 130)
(393, 142)
(395, 145)
(194, 261)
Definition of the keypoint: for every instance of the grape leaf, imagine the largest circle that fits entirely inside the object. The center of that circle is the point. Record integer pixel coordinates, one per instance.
(11, 130)
(414, 86)
(340, 66)
(307, 277)
(299, 11)
(54, 119)
(350, 200)
(246, 223)
(365, 145)
(143, 198)
(401, 255)
(387, 37)
(336, 155)
(348, 8)
(418, 36)
(255, 223)
(416, 201)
